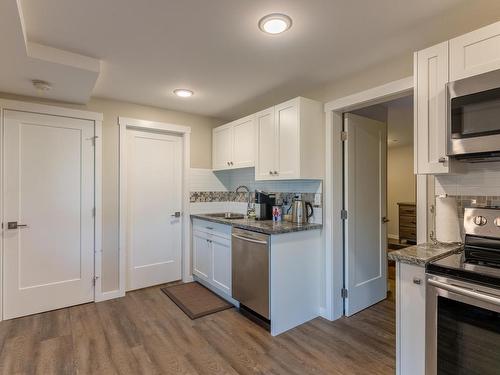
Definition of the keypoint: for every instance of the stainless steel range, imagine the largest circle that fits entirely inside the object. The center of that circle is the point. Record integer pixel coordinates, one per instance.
(463, 301)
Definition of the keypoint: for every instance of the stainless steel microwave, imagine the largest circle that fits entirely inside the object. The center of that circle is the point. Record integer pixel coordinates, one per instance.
(474, 118)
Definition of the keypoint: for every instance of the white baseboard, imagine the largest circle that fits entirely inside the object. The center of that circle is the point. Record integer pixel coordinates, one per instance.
(188, 279)
(393, 236)
(112, 294)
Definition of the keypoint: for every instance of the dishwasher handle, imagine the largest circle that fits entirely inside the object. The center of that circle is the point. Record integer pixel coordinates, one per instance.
(249, 239)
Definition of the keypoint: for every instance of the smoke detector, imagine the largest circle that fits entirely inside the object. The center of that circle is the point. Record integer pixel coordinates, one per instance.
(41, 86)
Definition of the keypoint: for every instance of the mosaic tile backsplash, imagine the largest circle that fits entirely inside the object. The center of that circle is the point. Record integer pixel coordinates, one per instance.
(464, 201)
(231, 196)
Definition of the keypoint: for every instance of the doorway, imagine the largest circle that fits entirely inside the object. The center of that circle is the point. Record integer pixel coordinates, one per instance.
(48, 221)
(380, 198)
(154, 204)
(154, 197)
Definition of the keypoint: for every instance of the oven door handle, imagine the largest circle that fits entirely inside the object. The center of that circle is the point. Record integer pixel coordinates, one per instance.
(465, 292)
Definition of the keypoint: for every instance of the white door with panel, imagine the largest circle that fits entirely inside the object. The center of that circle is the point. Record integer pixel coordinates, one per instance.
(288, 135)
(475, 53)
(430, 99)
(48, 195)
(266, 144)
(243, 143)
(154, 202)
(222, 148)
(365, 180)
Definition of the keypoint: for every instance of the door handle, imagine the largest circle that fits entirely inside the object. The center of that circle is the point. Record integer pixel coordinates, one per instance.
(385, 220)
(176, 214)
(15, 225)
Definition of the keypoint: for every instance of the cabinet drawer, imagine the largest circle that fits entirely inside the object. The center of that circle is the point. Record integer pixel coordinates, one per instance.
(407, 233)
(407, 221)
(209, 227)
(407, 210)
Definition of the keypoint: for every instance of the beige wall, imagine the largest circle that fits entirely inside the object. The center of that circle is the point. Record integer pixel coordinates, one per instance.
(400, 183)
(201, 157)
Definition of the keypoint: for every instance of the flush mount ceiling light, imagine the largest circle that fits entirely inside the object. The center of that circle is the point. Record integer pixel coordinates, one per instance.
(183, 93)
(275, 23)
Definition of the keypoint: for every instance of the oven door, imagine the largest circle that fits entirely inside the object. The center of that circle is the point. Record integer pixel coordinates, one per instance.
(474, 115)
(462, 328)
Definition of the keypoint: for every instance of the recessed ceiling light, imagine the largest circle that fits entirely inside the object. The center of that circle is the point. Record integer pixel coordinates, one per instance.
(275, 23)
(183, 93)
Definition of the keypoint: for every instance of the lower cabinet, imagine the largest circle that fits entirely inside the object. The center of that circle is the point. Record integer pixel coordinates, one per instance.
(410, 319)
(212, 256)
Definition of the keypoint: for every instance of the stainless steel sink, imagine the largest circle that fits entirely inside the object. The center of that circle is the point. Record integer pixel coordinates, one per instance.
(227, 215)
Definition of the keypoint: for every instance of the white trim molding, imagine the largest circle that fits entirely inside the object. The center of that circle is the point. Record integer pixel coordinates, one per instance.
(185, 133)
(333, 197)
(22, 106)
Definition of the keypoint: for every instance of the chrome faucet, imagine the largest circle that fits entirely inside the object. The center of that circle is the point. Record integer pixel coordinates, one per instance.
(250, 209)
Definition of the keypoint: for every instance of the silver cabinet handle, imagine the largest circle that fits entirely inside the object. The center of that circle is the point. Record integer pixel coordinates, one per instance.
(209, 228)
(276, 173)
(228, 163)
(465, 292)
(270, 172)
(442, 160)
(176, 214)
(249, 239)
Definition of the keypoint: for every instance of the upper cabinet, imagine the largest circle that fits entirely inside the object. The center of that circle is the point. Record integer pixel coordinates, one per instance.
(289, 141)
(233, 144)
(475, 52)
(431, 77)
(284, 142)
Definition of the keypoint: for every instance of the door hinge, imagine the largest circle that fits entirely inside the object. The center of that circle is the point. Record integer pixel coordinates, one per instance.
(343, 136)
(94, 280)
(343, 214)
(344, 293)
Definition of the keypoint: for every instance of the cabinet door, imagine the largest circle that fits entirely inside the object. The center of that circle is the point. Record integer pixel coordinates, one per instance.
(202, 256)
(475, 52)
(221, 253)
(287, 130)
(222, 147)
(243, 143)
(410, 316)
(430, 92)
(266, 144)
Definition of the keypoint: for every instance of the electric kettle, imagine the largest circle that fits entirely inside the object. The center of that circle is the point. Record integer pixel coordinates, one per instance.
(301, 211)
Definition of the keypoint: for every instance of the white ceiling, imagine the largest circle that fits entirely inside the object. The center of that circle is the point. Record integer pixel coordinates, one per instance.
(214, 47)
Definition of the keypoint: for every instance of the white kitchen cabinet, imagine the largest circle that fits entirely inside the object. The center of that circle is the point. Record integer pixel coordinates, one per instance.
(289, 141)
(475, 52)
(410, 319)
(212, 255)
(265, 154)
(202, 255)
(233, 144)
(222, 147)
(221, 260)
(431, 77)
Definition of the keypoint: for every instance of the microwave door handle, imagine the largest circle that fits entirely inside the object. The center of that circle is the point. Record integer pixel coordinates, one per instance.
(465, 292)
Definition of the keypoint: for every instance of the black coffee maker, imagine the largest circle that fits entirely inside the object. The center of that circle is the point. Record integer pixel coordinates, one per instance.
(264, 203)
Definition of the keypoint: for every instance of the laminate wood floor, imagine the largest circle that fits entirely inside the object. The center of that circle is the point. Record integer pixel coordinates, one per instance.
(146, 333)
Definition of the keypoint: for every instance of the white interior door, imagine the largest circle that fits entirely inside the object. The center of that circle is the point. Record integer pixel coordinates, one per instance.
(154, 195)
(49, 187)
(365, 169)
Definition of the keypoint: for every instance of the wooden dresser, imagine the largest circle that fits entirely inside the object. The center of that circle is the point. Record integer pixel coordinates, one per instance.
(407, 222)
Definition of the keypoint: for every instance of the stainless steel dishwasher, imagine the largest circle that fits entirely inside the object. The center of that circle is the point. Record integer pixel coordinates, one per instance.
(250, 271)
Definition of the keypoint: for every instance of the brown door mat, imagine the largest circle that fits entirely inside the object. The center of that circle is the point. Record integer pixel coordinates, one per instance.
(196, 300)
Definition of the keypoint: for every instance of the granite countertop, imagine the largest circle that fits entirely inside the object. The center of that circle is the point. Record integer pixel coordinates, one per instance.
(261, 226)
(424, 253)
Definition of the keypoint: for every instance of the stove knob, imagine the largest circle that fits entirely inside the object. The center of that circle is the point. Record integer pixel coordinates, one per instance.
(480, 220)
(497, 221)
